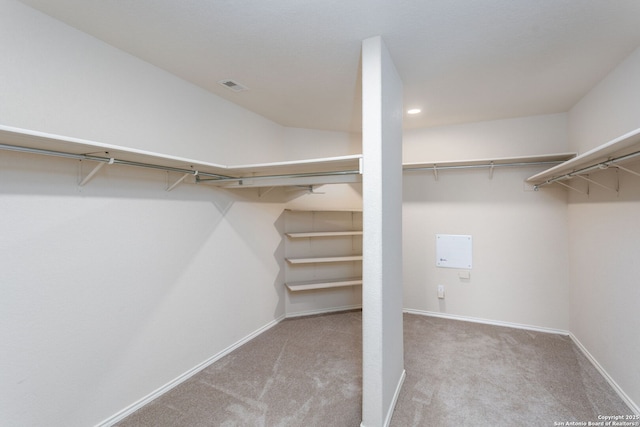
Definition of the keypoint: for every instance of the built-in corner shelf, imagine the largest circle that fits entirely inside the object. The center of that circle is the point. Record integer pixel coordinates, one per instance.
(323, 249)
(619, 150)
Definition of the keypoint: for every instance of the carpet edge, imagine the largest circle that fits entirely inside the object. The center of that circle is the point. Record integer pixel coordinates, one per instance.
(488, 321)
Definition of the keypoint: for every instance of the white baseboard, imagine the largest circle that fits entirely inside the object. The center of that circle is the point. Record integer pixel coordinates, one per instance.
(634, 407)
(185, 376)
(487, 321)
(323, 311)
(630, 403)
(396, 394)
(394, 400)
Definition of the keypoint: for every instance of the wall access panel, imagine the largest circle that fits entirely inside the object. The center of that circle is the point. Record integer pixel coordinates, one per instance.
(454, 251)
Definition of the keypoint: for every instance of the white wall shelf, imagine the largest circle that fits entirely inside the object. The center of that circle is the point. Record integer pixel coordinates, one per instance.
(323, 284)
(320, 260)
(299, 172)
(323, 234)
(619, 150)
(325, 210)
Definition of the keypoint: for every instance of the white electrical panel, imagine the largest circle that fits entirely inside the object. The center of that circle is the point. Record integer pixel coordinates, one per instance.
(454, 251)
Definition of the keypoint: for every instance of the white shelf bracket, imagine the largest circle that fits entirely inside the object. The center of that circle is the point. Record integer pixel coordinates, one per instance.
(308, 189)
(491, 167)
(312, 190)
(262, 192)
(360, 165)
(632, 172)
(572, 188)
(435, 172)
(596, 183)
(91, 174)
(179, 180)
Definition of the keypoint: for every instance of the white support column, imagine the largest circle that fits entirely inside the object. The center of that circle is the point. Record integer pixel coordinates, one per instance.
(383, 355)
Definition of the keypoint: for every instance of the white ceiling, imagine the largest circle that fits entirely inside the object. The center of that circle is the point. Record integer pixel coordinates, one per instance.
(460, 60)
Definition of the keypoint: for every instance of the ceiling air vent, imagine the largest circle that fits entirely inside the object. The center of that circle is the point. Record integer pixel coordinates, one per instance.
(234, 86)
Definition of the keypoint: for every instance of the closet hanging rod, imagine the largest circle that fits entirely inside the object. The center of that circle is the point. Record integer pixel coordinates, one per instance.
(292, 175)
(484, 165)
(587, 169)
(109, 160)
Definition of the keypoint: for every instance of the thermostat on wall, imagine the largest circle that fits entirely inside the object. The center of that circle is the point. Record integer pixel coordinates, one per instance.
(453, 251)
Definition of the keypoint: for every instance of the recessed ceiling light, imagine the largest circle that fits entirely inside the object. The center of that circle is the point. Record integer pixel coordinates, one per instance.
(413, 111)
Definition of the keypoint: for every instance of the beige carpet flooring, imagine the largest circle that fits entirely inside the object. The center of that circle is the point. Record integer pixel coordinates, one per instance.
(307, 372)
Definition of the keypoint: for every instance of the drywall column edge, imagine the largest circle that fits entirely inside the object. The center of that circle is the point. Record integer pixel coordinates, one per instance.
(383, 364)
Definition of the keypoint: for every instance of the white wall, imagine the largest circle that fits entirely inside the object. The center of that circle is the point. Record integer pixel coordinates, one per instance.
(311, 143)
(56, 79)
(112, 290)
(524, 136)
(520, 241)
(609, 110)
(604, 234)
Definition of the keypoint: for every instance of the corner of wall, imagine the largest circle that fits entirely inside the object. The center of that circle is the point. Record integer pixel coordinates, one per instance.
(610, 109)
(602, 241)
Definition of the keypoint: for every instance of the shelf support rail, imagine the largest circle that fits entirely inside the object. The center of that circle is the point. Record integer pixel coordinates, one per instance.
(491, 165)
(597, 166)
(283, 176)
(107, 160)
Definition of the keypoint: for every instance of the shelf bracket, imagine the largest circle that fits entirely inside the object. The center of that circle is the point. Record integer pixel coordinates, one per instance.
(262, 193)
(596, 183)
(491, 167)
(312, 190)
(435, 172)
(94, 171)
(179, 180)
(572, 188)
(309, 189)
(627, 170)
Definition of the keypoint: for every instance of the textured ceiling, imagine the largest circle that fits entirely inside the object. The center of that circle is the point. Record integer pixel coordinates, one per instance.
(460, 60)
